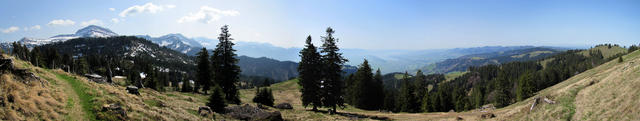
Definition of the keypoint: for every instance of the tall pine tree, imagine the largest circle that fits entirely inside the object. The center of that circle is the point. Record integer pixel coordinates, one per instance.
(408, 101)
(227, 71)
(310, 74)
(216, 100)
(526, 86)
(204, 71)
(332, 72)
(377, 90)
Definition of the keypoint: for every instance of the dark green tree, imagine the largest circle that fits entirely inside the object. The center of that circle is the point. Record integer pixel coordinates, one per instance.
(203, 73)
(477, 96)
(332, 72)
(36, 58)
(263, 96)
(377, 91)
(420, 81)
(267, 82)
(408, 100)
(632, 48)
(501, 98)
(225, 65)
(186, 86)
(390, 100)
(526, 86)
(310, 74)
(358, 90)
(216, 100)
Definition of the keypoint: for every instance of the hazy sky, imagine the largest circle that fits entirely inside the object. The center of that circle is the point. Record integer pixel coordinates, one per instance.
(367, 24)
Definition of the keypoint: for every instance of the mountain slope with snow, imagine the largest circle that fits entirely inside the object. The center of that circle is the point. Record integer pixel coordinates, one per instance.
(177, 42)
(89, 31)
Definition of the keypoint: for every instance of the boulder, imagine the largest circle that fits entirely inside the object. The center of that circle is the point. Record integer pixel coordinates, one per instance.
(133, 90)
(284, 106)
(248, 112)
(487, 116)
(115, 110)
(459, 118)
(204, 111)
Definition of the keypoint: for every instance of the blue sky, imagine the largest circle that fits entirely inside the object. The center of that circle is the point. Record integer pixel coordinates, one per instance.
(366, 24)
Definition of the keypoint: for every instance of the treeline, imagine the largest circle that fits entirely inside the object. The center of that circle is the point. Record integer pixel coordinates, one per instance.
(105, 64)
(500, 85)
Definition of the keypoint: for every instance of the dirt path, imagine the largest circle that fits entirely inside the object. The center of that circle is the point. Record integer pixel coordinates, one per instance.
(73, 102)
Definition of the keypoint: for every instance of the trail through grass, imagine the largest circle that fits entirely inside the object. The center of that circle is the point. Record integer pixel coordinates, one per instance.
(80, 97)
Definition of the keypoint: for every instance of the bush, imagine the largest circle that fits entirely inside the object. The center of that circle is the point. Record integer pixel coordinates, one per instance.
(264, 97)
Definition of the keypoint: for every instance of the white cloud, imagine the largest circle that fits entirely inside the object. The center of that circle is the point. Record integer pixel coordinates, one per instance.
(171, 6)
(35, 27)
(148, 8)
(10, 29)
(92, 22)
(61, 22)
(112, 9)
(207, 15)
(115, 20)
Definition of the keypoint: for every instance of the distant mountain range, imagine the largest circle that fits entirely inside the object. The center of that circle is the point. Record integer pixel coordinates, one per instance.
(395, 60)
(481, 59)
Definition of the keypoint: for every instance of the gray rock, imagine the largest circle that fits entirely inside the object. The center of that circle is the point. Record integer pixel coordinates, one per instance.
(115, 109)
(284, 106)
(204, 111)
(133, 90)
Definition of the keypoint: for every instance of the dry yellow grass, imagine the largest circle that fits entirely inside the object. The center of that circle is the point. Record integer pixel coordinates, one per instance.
(25, 99)
(607, 92)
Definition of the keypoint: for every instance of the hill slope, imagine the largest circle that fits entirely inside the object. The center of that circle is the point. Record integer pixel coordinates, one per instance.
(63, 96)
(607, 92)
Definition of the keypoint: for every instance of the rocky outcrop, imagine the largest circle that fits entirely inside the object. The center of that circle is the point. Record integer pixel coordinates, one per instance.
(115, 111)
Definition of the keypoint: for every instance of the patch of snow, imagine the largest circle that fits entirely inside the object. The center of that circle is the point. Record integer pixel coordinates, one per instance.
(164, 43)
(143, 75)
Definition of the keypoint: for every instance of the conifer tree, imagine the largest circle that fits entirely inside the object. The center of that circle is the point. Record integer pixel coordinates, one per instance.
(477, 97)
(35, 56)
(204, 71)
(420, 81)
(377, 90)
(501, 98)
(408, 101)
(359, 86)
(332, 72)
(310, 74)
(186, 86)
(526, 86)
(390, 100)
(263, 96)
(226, 70)
(267, 82)
(216, 100)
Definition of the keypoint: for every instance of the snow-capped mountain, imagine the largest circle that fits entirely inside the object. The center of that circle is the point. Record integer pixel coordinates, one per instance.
(89, 31)
(95, 31)
(177, 42)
